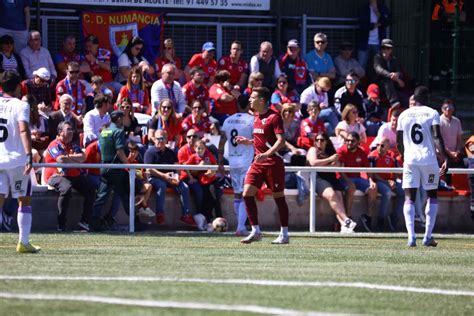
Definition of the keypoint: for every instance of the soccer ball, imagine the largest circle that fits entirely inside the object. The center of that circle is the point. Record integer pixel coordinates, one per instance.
(219, 224)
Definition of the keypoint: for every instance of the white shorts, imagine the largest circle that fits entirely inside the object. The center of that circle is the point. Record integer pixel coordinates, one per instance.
(237, 176)
(428, 175)
(13, 181)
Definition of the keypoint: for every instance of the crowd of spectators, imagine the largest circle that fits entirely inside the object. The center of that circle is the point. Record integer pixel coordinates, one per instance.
(334, 113)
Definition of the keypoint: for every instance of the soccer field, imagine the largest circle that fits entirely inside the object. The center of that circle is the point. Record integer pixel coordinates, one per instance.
(213, 274)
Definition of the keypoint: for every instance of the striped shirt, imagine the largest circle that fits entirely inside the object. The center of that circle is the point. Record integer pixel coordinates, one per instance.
(9, 63)
(159, 92)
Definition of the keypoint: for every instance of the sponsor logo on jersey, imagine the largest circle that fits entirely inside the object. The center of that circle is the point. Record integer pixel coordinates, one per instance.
(258, 131)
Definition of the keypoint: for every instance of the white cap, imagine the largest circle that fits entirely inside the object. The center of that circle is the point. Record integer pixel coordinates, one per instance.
(43, 73)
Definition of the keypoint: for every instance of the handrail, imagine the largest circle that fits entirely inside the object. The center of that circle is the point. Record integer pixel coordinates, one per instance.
(312, 170)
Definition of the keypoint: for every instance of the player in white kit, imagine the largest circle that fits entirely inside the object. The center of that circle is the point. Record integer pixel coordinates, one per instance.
(15, 155)
(240, 158)
(419, 141)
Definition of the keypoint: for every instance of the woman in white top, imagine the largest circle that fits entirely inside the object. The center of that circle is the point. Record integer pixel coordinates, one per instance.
(132, 56)
(350, 123)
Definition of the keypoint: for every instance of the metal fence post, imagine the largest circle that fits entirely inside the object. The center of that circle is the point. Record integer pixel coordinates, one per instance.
(131, 202)
(312, 202)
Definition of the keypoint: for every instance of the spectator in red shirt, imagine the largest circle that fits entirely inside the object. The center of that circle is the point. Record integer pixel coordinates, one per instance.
(197, 120)
(166, 119)
(135, 90)
(206, 61)
(98, 60)
(311, 126)
(62, 150)
(235, 65)
(66, 55)
(195, 89)
(351, 155)
(73, 86)
(168, 56)
(211, 192)
(386, 184)
(295, 67)
(92, 155)
(223, 97)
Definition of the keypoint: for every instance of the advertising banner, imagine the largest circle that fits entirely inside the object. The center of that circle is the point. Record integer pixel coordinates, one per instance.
(249, 5)
(115, 29)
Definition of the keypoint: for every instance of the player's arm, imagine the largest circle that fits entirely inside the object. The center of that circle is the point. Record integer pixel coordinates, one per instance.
(439, 145)
(400, 147)
(220, 151)
(279, 144)
(25, 136)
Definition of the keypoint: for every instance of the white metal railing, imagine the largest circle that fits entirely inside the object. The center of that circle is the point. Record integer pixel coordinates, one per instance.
(312, 185)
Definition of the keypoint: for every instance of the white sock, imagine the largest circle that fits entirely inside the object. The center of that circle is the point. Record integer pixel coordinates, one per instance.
(431, 210)
(242, 217)
(24, 219)
(255, 229)
(409, 214)
(284, 231)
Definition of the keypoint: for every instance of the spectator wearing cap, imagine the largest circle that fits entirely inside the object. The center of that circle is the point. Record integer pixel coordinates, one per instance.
(167, 88)
(452, 133)
(373, 110)
(294, 66)
(112, 145)
(132, 56)
(349, 94)
(387, 69)
(35, 57)
(345, 64)
(98, 60)
(319, 62)
(374, 18)
(318, 92)
(265, 63)
(39, 87)
(98, 118)
(205, 60)
(9, 60)
(235, 65)
(68, 54)
(15, 21)
(63, 150)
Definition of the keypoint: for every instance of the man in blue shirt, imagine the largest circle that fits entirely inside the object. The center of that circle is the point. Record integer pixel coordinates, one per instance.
(319, 62)
(15, 21)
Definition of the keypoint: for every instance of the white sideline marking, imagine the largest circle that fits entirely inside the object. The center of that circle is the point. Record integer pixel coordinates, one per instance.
(359, 285)
(162, 304)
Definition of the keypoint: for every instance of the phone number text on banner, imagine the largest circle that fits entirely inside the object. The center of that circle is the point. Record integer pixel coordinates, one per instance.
(255, 5)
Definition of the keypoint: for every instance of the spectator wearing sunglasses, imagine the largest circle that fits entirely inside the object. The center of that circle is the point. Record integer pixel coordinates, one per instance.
(349, 94)
(295, 67)
(284, 93)
(346, 64)
(39, 87)
(168, 56)
(197, 120)
(132, 56)
(319, 62)
(75, 87)
(351, 155)
(319, 92)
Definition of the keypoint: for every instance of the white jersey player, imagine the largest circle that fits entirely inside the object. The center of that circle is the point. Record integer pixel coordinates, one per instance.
(419, 141)
(15, 156)
(240, 158)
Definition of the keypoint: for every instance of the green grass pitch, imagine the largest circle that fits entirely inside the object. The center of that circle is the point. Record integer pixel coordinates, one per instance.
(196, 259)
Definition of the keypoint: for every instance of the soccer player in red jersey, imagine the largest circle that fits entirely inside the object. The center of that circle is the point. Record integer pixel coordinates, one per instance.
(267, 165)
